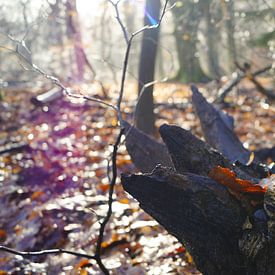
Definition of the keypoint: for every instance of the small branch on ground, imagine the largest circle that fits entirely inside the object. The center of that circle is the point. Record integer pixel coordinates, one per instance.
(45, 252)
(239, 76)
(14, 148)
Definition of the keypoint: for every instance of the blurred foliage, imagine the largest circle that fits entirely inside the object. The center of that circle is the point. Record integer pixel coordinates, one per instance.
(54, 189)
(184, 46)
(263, 40)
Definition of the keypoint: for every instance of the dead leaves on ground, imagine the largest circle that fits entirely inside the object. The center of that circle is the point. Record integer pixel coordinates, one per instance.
(54, 194)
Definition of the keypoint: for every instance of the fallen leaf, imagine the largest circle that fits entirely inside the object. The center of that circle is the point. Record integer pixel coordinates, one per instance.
(3, 235)
(228, 178)
(124, 201)
(37, 195)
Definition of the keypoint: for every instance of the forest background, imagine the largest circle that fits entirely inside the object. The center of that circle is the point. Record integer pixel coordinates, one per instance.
(54, 155)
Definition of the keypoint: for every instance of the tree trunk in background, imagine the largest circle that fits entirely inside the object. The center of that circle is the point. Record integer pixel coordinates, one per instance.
(145, 119)
(227, 8)
(186, 25)
(57, 34)
(74, 34)
(208, 40)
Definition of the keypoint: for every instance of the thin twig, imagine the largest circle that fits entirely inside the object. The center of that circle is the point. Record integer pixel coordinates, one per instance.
(45, 252)
(110, 203)
(123, 77)
(127, 53)
(54, 79)
(236, 80)
(126, 36)
(117, 143)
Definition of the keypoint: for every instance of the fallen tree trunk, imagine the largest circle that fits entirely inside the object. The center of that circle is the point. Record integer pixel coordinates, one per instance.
(218, 130)
(226, 233)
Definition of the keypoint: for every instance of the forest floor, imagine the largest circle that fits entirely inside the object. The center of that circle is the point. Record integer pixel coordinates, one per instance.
(52, 188)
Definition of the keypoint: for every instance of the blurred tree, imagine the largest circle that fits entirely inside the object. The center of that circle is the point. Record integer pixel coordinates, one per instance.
(208, 42)
(227, 34)
(186, 18)
(74, 34)
(145, 119)
(57, 33)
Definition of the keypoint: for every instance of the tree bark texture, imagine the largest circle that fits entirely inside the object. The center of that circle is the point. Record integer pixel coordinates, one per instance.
(145, 119)
(225, 235)
(224, 231)
(186, 41)
(207, 46)
(145, 152)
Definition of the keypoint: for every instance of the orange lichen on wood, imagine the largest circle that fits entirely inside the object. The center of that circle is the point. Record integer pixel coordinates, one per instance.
(228, 178)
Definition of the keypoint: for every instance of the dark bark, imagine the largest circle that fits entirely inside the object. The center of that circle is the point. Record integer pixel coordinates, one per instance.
(227, 36)
(190, 154)
(265, 154)
(145, 152)
(198, 212)
(207, 46)
(224, 234)
(217, 129)
(145, 119)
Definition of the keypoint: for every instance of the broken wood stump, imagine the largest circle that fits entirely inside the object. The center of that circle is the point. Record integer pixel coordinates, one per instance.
(265, 154)
(145, 152)
(225, 232)
(198, 212)
(218, 128)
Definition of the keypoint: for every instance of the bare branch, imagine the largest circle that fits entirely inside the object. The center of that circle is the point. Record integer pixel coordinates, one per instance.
(127, 53)
(125, 33)
(54, 79)
(110, 203)
(46, 252)
(149, 27)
